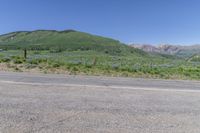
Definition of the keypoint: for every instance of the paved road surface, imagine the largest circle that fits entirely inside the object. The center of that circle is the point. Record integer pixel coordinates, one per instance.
(32, 103)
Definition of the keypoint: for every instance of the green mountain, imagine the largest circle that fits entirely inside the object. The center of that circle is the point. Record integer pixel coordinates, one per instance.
(63, 40)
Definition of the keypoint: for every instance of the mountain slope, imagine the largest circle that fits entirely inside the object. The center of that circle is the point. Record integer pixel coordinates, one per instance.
(62, 40)
(163, 49)
(180, 51)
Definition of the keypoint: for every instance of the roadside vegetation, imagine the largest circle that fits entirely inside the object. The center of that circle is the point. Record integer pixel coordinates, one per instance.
(98, 63)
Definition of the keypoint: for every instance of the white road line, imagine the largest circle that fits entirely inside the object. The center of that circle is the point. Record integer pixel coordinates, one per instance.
(100, 86)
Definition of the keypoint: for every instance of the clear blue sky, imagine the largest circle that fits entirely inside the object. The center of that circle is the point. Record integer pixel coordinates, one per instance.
(139, 21)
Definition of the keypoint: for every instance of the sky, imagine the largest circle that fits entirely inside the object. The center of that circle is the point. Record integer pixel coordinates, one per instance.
(129, 21)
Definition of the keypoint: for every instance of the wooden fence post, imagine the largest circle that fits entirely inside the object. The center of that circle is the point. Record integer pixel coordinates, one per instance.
(25, 53)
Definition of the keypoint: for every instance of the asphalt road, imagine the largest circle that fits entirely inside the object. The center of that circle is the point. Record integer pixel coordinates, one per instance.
(32, 103)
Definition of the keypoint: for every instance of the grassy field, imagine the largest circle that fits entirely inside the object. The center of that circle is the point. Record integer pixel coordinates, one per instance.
(98, 63)
(74, 52)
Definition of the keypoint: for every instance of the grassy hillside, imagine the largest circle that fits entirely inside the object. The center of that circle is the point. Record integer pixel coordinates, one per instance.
(63, 40)
(75, 52)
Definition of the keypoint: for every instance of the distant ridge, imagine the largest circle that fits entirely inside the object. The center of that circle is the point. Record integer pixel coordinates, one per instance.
(182, 51)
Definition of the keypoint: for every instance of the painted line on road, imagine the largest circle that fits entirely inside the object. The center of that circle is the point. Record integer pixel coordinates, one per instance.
(99, 86)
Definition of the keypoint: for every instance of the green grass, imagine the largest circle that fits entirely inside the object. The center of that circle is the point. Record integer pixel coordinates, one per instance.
(98, 63)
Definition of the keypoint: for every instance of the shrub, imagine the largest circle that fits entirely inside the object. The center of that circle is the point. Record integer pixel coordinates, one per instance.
(115, 66)
(55, 65)
(5, 59)
(56, 50)
(18, 61)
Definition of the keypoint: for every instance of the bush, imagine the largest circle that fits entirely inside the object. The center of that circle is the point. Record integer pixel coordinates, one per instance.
(36, 61)
(5, 59)
(115, 66)
(56, 50)
(18, 59)
(55, 65)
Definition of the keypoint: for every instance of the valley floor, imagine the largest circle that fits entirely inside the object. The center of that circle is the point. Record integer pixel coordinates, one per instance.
(98, 63)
